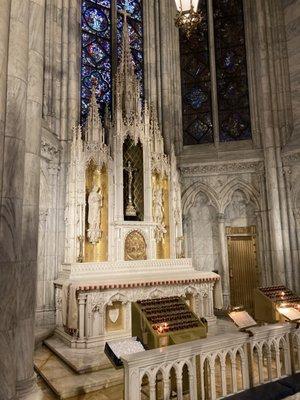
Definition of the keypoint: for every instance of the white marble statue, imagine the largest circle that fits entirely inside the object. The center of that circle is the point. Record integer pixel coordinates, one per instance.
(158, 212)
(95, 202)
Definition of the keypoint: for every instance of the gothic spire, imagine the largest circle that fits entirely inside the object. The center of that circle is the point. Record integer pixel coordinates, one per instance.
(126, 57)
(94, 131)
(127, 85)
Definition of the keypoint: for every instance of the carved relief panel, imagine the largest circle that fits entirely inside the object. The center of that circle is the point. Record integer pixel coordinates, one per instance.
(135, 246)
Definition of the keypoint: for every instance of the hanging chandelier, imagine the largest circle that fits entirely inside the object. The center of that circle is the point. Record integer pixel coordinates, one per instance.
(187, 18)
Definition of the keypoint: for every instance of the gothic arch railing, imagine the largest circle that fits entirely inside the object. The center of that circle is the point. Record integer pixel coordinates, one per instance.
(216, 366)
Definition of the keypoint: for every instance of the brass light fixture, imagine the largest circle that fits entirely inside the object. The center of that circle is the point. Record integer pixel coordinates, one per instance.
(187, 18)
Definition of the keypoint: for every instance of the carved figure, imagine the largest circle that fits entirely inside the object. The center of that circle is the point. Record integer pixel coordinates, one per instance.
(130, 210)
(158, 213)
(95, 202)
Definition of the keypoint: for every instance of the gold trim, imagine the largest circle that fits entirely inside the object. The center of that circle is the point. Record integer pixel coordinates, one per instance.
(135, 247)
(163, 246)
(99, 251)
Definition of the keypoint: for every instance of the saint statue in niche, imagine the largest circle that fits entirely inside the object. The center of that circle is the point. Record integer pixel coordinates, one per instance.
(95, 202)
(158, 213)
(158, 205)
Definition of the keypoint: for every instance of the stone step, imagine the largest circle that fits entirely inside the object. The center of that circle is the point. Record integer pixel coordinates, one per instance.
(41, 334)
(66, 383)
(80, 360)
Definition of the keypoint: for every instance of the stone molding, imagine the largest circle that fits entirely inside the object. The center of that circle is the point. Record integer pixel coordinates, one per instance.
(232, 167)
(49, 151)
(291, 157)
(171, 266)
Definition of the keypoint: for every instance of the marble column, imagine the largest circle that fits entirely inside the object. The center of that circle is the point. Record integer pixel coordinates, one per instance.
(295, 273)
(224, 259)
(57, 63)
(213, 73)
(297, 226)
(150, 49)
(4, 32)
(270, 144)
(64, 71)
(263, 219)
(12, 184)
(27, 274)
(275, 55)
(169, 62)
(73, 63)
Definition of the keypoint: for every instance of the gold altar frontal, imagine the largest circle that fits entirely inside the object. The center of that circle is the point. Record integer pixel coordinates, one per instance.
(166, 321)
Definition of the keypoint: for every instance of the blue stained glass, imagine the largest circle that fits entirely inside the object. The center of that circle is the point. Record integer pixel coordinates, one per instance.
(103, 3)
(97, 51)
(231, 63)
(133, 7)
(195, 84)
(235, 127)
(96, 19)
(196, 97)
(201, 129)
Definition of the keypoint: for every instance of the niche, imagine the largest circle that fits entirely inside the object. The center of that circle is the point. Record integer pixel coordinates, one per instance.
(133, 181)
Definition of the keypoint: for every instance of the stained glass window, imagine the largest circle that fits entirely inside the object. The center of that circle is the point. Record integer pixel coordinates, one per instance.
(97, 54)
(195, 85)
(232, 84)
(231, 77)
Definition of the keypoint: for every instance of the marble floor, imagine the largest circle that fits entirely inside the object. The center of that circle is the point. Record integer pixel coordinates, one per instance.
(114, 393)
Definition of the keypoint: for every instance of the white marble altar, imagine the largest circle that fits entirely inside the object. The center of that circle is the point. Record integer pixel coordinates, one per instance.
(93, 300)
(113, 260)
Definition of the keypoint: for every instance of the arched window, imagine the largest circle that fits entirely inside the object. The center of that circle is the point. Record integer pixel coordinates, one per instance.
(101, 31)
(215, 100)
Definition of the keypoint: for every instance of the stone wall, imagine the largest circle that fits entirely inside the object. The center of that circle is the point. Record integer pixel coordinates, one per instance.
(251, 182)
(60, 113)
(214, 196)
(291, 9)
(21, 80)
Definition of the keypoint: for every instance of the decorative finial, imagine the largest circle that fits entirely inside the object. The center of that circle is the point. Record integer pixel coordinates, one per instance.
(124, 12)
(93, 127)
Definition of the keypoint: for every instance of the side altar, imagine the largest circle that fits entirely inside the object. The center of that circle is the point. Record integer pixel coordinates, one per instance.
(123, 221)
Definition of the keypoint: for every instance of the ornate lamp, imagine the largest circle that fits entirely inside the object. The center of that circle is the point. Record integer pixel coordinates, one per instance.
(187, 18)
